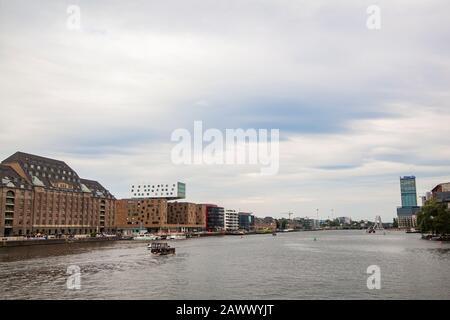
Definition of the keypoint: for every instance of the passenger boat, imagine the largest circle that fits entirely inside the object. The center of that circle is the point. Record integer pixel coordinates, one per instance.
(161, 248)
(176, 236)
(146, 236)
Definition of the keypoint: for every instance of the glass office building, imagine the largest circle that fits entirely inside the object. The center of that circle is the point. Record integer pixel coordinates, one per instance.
(215, 218)
(246, 221)
(408, 191)
(407, 213)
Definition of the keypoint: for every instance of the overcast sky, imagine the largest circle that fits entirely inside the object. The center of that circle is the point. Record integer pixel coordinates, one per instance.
(356, 108)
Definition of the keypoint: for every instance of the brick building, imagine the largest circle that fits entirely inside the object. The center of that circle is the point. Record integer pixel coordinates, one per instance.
(200, 215)
(157, 215)
(136, 214)
(181, 213)
(42, 195)
(267, 223)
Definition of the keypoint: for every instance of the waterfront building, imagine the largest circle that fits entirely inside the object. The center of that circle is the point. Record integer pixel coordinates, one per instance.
(407, 213)
(181, 213)
(133, 215)
(43, 195)
(169, 191)
(200, 215)
(311, 224)
(442, 193)
(265, 224)
(246, 221)
(185, 216)
(215, 217)
(159, 215)
(407, 217)
(231, 220)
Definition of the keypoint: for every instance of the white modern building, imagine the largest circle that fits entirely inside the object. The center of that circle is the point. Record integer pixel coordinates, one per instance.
(170, 191)
(231, 220)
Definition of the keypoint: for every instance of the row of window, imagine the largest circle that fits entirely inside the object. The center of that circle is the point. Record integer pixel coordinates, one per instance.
(148, 190)
(44, 175)
(156, 194)
(158, 186)
(38, 167)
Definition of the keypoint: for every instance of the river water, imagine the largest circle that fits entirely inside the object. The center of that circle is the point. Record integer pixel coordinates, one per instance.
(288, 266)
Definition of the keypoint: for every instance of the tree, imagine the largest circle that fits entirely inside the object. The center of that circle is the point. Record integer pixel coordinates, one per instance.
(434, 217)
(284, 223)
(395, 223)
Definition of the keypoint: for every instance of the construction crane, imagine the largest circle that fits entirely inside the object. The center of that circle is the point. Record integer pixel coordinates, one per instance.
(289, 214)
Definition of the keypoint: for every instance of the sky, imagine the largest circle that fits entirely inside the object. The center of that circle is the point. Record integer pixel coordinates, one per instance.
(355, 107)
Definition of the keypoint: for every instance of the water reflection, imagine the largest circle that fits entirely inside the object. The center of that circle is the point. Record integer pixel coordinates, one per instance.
(289, 266)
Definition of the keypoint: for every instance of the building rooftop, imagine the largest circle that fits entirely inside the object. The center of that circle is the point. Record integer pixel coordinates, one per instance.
(10, 178)
(49, 173)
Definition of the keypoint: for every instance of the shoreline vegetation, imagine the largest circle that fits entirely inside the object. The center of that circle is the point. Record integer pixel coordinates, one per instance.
(433, 221)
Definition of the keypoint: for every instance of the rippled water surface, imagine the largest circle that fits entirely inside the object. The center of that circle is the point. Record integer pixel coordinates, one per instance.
(288, 266)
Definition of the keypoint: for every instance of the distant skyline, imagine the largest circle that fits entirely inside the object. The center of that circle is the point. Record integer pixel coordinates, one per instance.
(356, 108)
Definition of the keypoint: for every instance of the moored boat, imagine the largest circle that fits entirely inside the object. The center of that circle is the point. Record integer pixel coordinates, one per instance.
(176, 236)
(146, 236)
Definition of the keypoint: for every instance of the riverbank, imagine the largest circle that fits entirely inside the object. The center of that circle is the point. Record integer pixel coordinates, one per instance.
(43, 241)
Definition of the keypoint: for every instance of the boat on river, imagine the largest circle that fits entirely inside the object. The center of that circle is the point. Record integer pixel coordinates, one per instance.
(161, 248)
(176, 236)
(146, 236)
